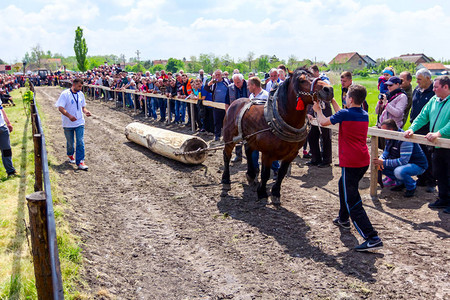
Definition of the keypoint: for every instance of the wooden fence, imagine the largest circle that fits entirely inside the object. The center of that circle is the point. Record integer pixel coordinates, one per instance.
(44, 244)
(373, 132)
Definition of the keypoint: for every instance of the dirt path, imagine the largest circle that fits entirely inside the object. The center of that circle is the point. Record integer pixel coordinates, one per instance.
(153, 228)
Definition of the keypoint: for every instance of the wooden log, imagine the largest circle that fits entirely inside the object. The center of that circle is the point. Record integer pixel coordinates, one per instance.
(373, 167)
(37, 211)
(167, 143)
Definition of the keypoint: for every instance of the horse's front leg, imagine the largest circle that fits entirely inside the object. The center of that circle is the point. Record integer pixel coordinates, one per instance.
(276, 188)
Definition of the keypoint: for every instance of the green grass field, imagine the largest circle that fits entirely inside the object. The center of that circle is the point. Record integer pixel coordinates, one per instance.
(16, 264)
(371, 84)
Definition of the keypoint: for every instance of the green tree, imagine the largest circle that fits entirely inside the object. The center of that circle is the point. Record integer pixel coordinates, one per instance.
(81, 49)
(157, 67)
(173, 65)
(206, 62)
(36, 54)
(263, 63)
(137, 68)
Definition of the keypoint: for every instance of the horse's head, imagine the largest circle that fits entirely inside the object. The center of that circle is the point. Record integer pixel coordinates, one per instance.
(311, 89)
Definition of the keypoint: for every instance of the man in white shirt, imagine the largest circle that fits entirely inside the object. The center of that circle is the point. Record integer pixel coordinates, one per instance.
(257, 93)
(72, 105)
(5, 144)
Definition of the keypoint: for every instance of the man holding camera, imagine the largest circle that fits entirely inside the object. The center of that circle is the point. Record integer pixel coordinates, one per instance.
(218, 87)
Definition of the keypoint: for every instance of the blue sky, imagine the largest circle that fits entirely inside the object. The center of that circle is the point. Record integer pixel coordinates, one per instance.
(163, 29)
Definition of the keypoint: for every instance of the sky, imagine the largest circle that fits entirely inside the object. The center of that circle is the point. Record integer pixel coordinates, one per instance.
(160, 29)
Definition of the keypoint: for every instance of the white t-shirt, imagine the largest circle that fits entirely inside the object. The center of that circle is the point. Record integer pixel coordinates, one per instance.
(263, 95)
(69, 100)
(2, 120)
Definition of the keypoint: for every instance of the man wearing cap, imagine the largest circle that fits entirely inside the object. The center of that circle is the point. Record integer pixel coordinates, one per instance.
(437, 113)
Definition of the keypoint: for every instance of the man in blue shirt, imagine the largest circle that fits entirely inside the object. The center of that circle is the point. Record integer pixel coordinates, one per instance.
(219, 89)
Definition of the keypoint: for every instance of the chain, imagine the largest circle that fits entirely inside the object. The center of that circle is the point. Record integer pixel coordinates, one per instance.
(201, 150)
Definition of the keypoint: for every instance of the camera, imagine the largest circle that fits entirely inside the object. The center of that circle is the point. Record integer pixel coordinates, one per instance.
(380, 96)
(266, 76)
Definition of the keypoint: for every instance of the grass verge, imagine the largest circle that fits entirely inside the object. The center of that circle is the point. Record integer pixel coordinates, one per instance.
(16, 264)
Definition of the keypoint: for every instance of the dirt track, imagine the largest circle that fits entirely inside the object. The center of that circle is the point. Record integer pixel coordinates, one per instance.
(153, 228)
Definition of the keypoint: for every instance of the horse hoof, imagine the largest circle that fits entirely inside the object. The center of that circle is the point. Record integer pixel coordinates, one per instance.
(226, 186)
(250, 180)
(275, 200)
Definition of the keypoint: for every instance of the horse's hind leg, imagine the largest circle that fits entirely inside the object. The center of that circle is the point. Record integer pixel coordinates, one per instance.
(251, 169)
(265, 175)
(226, 183)
(276, 188)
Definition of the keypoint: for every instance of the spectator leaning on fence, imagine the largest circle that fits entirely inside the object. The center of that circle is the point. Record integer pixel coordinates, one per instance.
(346, 82)
(401, 160)
(5, 144)
(72, 105)
(354, 160)
(421, 95)
(437, 113)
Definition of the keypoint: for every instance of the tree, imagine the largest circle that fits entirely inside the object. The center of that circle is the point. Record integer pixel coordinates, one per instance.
(250, 57)
(2, 62)
(36, 54)
(173, 65)
(263, 63)
(81, 49)
(157, 67)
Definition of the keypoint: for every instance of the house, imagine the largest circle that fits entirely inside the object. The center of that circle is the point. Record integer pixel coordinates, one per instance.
(348, 62)
(415, 58)
(369, 61)
(434, 68)
(160, 62)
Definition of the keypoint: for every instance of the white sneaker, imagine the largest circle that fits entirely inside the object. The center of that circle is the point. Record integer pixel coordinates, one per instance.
(71, 159)
(82, 166)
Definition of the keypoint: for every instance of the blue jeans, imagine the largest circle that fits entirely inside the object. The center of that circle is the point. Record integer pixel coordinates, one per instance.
(70, 134)
(403, 174)
(255, 158)
(155, 105)
(5, 147)
(162, 108)
(129, 100)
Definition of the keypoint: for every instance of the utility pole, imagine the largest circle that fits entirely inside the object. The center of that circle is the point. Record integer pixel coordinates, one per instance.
(137, 53)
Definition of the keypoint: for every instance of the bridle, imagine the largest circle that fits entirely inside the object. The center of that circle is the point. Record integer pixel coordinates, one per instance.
(311, 93)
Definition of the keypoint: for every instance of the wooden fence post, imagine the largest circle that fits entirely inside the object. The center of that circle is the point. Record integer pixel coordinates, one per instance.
(37, 141)
(168, 110)
(373, 168)
(192, 117)
(37, 210)
(123, 100)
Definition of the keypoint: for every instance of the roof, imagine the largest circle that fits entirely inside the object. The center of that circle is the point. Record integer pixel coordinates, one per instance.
(343, 58)
(433, 66)
(413, 57)
(367, 58)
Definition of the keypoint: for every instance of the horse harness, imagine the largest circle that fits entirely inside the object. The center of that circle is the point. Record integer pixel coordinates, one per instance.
(273, 118)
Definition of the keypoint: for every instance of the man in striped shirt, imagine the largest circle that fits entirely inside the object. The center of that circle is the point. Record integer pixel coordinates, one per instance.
(401, 160)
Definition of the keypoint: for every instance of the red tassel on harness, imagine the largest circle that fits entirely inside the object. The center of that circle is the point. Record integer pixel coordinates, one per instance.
(300, 104)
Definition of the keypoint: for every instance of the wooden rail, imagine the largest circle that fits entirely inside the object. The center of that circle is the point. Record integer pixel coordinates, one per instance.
(46, 263)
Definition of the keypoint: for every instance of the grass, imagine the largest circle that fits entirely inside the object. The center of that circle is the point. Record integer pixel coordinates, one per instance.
(371, 84)
(16, 265)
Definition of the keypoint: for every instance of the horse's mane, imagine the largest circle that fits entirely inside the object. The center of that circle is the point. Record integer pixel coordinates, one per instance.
(283, 88)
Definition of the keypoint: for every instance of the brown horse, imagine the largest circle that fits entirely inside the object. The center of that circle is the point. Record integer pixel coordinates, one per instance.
(278, 131)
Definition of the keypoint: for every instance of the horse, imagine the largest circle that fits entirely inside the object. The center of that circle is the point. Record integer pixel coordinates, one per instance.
(278, 129)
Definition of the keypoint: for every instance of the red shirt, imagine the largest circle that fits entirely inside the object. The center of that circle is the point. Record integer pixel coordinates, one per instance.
(353, 126)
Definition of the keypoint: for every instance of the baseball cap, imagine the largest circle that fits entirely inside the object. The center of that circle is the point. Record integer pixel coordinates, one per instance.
(393, 80)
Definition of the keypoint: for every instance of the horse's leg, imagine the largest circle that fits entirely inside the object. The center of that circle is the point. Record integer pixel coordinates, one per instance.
(276, 188)
(265, 175)
(226, 183)
(251, 169)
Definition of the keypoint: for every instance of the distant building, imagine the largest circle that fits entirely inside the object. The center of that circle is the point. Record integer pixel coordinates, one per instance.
(369, 61)
(415, 58)
(348, 62)
(434, 68)
(160, 62)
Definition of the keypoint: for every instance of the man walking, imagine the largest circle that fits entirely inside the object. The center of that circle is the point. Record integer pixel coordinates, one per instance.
(5, 144)
(72, 105)
(354, 160)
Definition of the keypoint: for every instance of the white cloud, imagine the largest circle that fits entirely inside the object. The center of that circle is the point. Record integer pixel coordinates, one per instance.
(307, 29)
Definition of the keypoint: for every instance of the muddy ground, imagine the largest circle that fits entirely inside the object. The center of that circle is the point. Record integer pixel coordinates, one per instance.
(153, 228)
